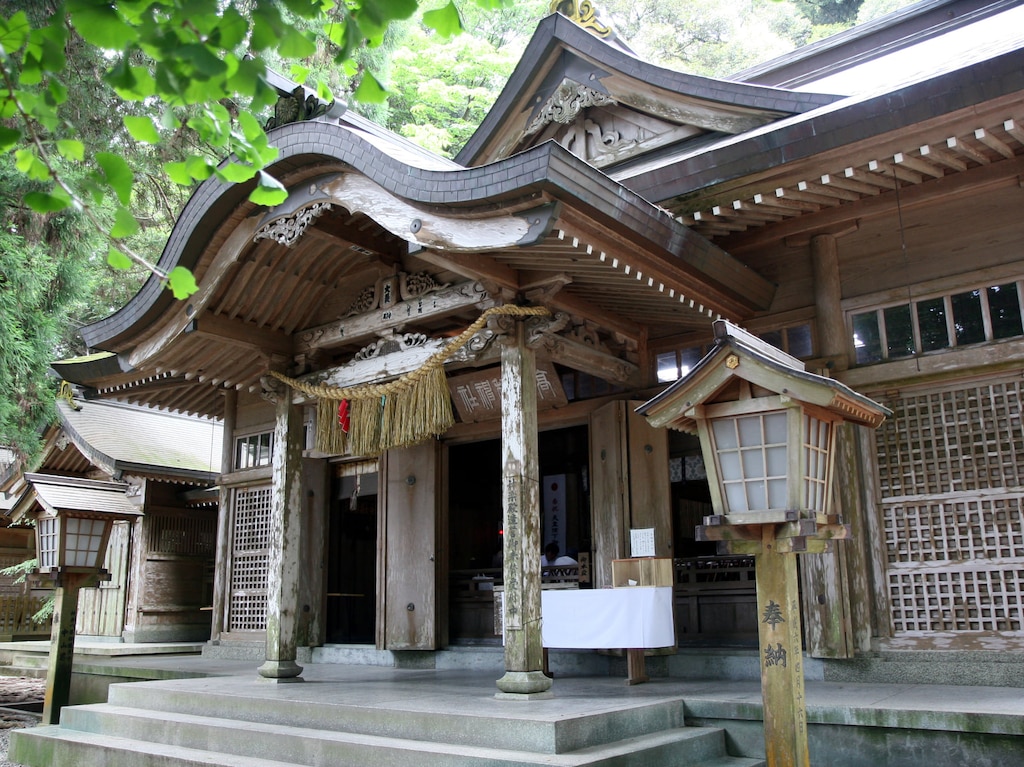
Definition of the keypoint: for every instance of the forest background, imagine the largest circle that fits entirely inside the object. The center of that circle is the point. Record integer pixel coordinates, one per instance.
(55, 274)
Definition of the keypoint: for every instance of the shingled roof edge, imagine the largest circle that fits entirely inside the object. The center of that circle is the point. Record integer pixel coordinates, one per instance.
(546, 166)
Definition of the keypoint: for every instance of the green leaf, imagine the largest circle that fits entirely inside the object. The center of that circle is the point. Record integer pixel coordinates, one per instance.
(250, 126)
(9, 137)
(142, 129)
(231, 30)
(14, 32)
(178, 173)
(299, 73)
(445, 20)
(125, 224)
(57, 91)
(71, 149)
(269, 191)
(101, 25)
(370, 91)
(295, 45)
(118, 260)
(27, 162)
(182, 282)
(118, 175)
(41, 202)
(202, 59)
(199, 168)
(236, 173)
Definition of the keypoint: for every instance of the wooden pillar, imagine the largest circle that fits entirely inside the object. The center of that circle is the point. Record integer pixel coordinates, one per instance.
(284, 565)
(828, 298)
(524, 662)
(781, 656)
(827, 603)
(62, 642)
(221, 576)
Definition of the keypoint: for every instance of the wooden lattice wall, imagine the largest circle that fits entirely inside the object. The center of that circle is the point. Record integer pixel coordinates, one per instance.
(951, 472)
(250, 559)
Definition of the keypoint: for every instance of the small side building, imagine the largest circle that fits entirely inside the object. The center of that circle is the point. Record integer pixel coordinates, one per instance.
(163, 465)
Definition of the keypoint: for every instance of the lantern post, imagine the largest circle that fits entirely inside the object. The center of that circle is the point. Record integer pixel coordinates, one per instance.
(767, 432)
(70, 547)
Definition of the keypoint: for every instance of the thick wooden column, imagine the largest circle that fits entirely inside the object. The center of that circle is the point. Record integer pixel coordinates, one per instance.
(284, 565)
(221, 576)
(524, 663)
(828, 298)
(782, 670)
(827, 603)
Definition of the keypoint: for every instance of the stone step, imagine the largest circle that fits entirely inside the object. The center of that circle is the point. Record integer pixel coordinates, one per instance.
(492, 724)
(52, 745)
(165, 739)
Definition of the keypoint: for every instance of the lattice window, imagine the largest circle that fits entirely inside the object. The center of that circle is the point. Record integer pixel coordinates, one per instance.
(955, 530)
(958, 600)
(250, 560)
(181, 535)
(947, 441)
(951, 464)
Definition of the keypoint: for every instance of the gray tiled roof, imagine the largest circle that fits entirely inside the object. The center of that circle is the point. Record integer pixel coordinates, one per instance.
(129, 438)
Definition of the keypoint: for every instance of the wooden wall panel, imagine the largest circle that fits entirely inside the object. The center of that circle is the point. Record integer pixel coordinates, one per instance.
(409, 547)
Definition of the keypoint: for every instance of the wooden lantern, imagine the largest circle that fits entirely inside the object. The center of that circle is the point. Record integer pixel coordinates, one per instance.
(766, 426)
(767, 431)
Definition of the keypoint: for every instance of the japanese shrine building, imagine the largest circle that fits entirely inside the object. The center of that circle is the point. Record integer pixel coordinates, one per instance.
(877, 236)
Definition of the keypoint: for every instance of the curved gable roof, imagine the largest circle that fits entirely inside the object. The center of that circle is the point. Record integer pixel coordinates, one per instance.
(561, 51)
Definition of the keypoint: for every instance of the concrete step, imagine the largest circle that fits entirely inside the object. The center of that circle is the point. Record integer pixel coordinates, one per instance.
(169, 739)
(491, 725)
(52, 745)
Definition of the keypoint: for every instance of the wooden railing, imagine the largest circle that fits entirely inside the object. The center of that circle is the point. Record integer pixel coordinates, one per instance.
(715, 599)
(16, 618)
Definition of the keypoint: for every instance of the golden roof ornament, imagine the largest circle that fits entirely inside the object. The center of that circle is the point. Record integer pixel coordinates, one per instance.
(583, 13)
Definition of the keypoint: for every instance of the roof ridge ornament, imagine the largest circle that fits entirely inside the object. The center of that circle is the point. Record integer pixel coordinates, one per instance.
(583, 13)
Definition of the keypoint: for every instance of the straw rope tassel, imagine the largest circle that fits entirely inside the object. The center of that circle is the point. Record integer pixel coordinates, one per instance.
(399, 413)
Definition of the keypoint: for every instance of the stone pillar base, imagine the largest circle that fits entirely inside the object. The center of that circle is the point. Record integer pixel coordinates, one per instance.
(281, 671)
(524, 685)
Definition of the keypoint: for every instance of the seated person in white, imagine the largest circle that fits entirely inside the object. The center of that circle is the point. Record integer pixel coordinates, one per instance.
(551, 558)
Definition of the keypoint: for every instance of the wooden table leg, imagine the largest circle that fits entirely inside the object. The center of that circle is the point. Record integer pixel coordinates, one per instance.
(636, 667)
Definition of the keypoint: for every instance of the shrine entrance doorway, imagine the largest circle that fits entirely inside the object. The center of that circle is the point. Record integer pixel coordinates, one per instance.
(475, 521)
(352, 559)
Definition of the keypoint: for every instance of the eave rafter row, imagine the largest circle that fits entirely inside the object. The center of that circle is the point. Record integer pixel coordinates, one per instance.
(646, 282)
(956, 154)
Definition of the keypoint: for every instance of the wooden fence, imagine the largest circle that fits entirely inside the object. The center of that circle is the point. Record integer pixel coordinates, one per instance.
(16, 622)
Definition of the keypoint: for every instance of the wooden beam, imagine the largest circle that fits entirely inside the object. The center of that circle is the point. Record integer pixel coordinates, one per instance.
(919, 164)
(993, 143)
(588, 359)
(237, 333)
(441, 303)
(477, 266)
(940, 155)
(963, 148)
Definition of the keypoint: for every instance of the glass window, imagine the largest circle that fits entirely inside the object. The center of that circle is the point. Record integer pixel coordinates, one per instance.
(866, 338)
(931, 319)
(774, 337)
(254, 450)
(1004, 309)
(668, 368)
(968, 320)
(899, 331)
(798, 338)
